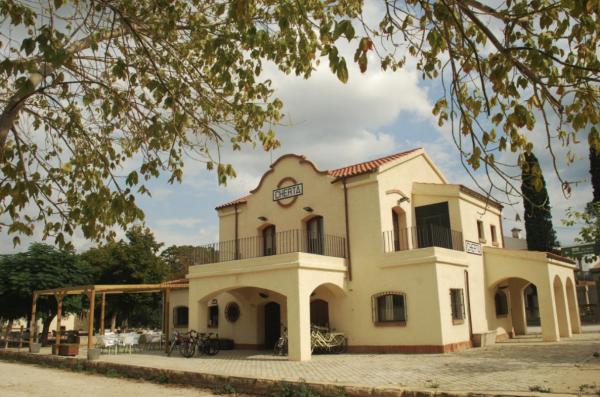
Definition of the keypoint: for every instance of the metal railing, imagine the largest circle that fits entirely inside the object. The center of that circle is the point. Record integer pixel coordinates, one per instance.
(421, 237)
(283, 242)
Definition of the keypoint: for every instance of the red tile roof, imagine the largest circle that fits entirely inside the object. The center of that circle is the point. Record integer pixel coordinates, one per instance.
(367, 166)
(240, 200)
(351, 170)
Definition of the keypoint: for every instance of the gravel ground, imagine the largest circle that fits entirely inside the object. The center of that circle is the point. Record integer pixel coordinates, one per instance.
(20, 380)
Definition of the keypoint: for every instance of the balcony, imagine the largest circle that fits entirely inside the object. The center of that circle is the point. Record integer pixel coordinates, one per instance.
(284, 242)
(421, 237)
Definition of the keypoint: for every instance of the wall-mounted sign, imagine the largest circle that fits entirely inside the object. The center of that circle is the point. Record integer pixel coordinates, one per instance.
(472, 247)
(287, 192)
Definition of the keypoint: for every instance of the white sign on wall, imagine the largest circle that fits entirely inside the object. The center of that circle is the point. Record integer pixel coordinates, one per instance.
(472, 247)
(288, 191)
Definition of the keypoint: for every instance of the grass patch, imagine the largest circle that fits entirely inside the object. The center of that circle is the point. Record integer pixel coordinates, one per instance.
(540, 389)
(294, 390)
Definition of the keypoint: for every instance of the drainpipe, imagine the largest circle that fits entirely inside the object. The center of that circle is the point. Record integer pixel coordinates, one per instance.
(469, 305)
(237, 247)
(347, 230)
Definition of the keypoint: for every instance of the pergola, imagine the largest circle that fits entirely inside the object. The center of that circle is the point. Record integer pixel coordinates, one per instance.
(91, 291)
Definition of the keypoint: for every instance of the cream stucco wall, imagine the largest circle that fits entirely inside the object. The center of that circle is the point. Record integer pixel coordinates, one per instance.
(425, 275)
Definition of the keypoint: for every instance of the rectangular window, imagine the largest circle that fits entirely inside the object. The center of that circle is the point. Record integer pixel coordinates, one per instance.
(480, 231)
(457, 302)
(389, 308)
(213, 316)
(494, 236)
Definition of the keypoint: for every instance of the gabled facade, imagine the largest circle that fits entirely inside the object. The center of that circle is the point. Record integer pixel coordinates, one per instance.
(386, 251)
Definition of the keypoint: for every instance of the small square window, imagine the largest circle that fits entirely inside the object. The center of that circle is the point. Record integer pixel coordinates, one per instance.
(457, 302)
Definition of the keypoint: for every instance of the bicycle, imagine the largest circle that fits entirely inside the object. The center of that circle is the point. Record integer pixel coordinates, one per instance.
(322, 340)
(176, 339)
(281, 346)
(201, 343)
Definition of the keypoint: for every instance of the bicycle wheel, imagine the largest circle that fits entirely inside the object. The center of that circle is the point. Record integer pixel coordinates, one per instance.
(340, 344)
(211, 347)
(171, 347)
(278, 350)
(187, 348)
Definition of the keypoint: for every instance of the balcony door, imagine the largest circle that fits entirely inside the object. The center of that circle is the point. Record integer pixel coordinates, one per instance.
(269, 242)
(314, 235)
(433, 226)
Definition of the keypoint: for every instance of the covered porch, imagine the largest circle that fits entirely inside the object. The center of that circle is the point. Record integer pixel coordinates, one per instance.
(525, 283)
(272, 292)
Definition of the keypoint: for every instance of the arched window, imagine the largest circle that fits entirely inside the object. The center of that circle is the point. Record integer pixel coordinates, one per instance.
(389, 307)
(180, 316)
(501, 303)
(314, 235)
(269, 243)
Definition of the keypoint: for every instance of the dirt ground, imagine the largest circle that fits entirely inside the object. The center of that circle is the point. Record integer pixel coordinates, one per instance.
(20, 380)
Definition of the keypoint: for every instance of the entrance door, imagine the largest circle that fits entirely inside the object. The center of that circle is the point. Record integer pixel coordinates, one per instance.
(272, 324)
(433, 226)
(269, 241)
(319, 313)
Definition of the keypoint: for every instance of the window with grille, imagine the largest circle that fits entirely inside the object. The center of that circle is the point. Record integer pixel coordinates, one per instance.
(389, 307)
(457, 302)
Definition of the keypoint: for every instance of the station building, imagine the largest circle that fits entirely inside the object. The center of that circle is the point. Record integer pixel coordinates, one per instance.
(386, 251)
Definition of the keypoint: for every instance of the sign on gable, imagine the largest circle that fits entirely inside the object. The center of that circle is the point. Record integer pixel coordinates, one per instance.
(288, 191)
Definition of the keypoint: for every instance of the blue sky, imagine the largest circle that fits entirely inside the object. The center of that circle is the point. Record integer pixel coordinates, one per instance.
(335, 124)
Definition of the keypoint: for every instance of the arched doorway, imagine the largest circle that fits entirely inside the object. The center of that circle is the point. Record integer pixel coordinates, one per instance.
(400, 230)
(319, 313)
(272, 324)
(314, 235)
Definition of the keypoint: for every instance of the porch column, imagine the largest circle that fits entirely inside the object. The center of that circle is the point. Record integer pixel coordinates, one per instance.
(564, 323)
(517, 308)
(167, 317)
(92, 299)
(32, 327)
(298, 317)
(59, 302)
(573, 309)
(547, 307)
(102, 311)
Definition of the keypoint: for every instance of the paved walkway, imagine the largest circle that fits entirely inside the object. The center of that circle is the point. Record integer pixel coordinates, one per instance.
(515, 366)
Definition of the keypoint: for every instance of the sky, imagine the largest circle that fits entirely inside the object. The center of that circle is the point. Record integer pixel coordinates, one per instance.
(333, 124)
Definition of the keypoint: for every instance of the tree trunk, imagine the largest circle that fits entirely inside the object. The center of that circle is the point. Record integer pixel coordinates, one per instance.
(45, 328)
(113, 321)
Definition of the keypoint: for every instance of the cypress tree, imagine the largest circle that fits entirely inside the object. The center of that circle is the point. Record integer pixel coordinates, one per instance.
(538, 218)
(595, 171)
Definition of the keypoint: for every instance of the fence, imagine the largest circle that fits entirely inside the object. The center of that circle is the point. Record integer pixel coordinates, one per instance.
(421, 237)
(283, 242)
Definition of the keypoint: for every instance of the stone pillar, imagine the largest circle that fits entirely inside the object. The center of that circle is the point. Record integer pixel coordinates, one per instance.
(298, 316)
(517, 308)
(547, 307)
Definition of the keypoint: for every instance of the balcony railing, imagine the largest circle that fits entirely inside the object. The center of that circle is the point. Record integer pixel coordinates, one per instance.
(283, 242)
(421, 237)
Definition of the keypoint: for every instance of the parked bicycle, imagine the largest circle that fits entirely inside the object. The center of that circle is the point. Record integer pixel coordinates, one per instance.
(321, 341)
(324, 341)
(176, 339)
(281, 346)
(201, 343)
